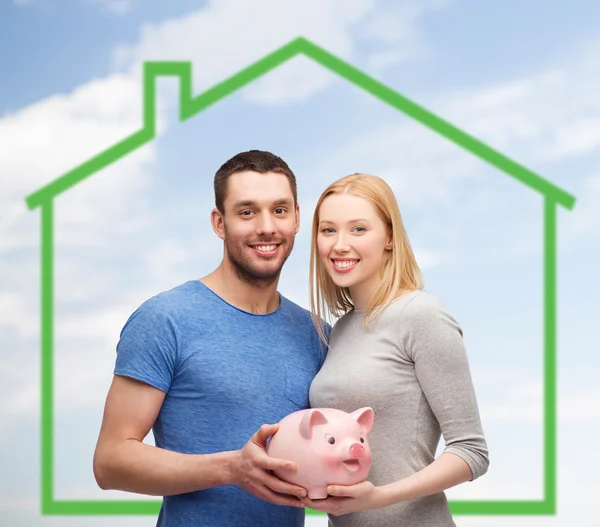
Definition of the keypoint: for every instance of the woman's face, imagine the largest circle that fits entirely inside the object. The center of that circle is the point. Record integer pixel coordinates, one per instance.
(351, 241)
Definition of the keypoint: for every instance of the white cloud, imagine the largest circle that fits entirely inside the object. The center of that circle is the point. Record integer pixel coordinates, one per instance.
(550, 115)
(421, 167)
(16, 311)
(48, 138)
(399, 29)
(519, 402)
(584, 222)
(522, 400)
(581, 406)
(539, 121)
(227, 36)
(119, 7)
(40, 143)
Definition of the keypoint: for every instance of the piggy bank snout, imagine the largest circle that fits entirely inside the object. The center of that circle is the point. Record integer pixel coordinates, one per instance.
(357, 450)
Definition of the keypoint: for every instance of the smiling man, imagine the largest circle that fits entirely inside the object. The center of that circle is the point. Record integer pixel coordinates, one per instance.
(210, 363)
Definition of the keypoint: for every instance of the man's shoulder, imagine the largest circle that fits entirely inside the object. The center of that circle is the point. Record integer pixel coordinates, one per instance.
(169, 301)
(296, 312)
(293, 307)
(302, 318)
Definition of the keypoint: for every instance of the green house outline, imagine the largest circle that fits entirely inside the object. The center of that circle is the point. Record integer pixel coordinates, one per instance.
(190, 106)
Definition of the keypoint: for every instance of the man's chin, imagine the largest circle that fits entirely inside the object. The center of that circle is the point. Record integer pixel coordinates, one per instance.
(263, 273)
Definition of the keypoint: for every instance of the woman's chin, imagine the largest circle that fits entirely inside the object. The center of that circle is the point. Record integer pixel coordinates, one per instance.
(341, 281)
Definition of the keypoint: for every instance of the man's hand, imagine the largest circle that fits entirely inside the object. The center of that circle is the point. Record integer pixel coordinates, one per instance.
(251, 471)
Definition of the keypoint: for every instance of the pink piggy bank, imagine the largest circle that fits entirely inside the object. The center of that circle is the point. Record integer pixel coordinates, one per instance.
(328, 446)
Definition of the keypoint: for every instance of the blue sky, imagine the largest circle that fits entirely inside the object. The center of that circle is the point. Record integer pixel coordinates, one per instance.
(64, 43)
(522, 77)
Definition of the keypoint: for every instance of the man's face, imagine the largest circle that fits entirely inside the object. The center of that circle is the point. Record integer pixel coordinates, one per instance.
(259, 224)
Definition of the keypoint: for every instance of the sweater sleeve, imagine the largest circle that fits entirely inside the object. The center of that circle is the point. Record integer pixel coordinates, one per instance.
(434, 342)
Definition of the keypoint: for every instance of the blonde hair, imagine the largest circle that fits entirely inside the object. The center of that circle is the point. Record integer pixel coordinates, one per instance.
(400, 272)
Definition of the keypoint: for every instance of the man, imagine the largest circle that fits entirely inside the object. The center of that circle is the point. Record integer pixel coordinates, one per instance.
(208, 362)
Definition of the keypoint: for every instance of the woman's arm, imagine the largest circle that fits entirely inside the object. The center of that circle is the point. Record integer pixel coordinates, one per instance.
(445, 472)
(432, 339)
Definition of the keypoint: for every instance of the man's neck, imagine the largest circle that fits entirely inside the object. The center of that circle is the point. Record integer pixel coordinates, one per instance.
(257, 299)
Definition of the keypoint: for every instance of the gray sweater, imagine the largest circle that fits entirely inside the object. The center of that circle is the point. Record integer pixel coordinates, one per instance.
(412, 369)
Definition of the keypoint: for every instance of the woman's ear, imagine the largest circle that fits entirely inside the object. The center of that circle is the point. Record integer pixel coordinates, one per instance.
(389, 245)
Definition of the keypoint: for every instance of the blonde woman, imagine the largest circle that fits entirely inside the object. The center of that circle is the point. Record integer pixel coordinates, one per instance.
(396, 349)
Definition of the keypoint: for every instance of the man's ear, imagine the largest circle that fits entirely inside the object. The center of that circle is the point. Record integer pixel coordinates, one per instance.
(297, 218)
(218, 223)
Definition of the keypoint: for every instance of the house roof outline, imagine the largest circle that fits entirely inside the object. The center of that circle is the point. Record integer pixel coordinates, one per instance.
(191, 106)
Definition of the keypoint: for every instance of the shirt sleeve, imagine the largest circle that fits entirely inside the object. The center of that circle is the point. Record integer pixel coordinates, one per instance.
(147, 346)
(434, 341)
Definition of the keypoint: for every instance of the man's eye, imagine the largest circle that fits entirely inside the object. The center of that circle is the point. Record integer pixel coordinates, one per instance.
(280, 211)
(246, 213)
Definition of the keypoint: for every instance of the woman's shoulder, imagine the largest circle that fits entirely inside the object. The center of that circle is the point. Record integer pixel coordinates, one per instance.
(417, 307)
(420, 308)
(415, 303)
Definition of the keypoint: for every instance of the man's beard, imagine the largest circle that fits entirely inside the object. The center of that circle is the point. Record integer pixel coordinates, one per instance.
(249, 274)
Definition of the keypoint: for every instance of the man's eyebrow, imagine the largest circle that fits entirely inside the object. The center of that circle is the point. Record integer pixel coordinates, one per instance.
(252, 203)
(244, 203)
(283, 201)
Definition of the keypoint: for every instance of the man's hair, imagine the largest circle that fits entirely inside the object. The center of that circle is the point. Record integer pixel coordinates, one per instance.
(255, 161)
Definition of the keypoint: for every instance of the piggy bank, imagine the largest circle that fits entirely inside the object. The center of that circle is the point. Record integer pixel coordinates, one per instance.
(328, 446)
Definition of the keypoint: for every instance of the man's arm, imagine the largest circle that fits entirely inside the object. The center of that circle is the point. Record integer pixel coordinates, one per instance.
(123, 462)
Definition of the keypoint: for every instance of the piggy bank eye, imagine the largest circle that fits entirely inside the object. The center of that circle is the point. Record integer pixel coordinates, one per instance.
(330, 439)
(362, 439)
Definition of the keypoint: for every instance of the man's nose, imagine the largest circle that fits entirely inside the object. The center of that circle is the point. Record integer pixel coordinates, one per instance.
(266, 225)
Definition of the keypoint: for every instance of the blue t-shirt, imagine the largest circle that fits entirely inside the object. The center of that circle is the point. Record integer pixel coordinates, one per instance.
(225, 373)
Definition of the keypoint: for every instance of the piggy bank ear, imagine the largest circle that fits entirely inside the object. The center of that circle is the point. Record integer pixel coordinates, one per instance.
(310, 419)
(364, 417)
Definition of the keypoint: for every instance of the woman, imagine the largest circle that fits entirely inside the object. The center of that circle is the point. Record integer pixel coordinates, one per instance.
(395, 349)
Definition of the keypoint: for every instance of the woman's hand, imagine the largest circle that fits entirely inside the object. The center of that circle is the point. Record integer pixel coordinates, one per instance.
(351, 498)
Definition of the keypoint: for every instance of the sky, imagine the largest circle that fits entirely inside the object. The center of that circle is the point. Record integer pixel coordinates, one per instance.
(522, 77)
